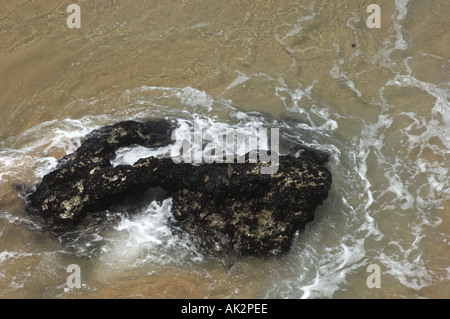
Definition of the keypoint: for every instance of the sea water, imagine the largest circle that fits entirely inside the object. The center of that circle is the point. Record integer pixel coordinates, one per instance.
(375, 99)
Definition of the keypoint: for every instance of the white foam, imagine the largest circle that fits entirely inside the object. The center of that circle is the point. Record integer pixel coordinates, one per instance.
(29, 152)
(13, 219)
(440, 109)
(193, 96)
(412, 274)
(241, 78)
(295, 31)
(319, 270)
(147, 238)
(397, 187)
(401, 6)
(336, 73)
(6, 255)
(412, 206)
(371, 137)
(131, 154)
(187, 95)
(213, 137)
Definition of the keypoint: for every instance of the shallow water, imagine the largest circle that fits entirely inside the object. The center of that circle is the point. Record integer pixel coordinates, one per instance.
(376, 99)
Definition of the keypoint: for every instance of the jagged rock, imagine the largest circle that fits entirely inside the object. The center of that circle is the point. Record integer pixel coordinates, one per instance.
(224, 207)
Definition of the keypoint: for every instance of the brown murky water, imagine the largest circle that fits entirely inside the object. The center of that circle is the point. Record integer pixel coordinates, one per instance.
(376, 99)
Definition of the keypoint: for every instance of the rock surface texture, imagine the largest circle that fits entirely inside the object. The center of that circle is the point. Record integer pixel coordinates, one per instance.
(224, 207)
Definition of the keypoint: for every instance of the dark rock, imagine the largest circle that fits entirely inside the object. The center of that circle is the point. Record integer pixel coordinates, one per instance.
(85, 180)
(224, 207)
